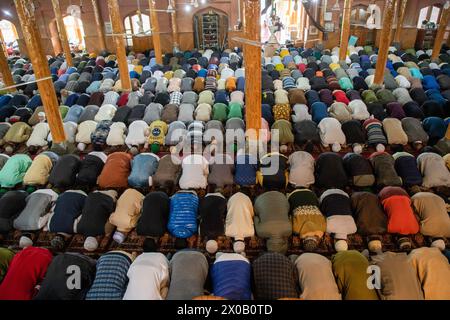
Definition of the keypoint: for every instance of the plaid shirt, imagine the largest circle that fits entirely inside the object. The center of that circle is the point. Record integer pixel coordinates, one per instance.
(111, 278)
(175, 98)
(275, 277)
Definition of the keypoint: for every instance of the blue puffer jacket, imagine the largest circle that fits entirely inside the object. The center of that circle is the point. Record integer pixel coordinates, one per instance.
(183, 214)
(231, 279)
(143, 166)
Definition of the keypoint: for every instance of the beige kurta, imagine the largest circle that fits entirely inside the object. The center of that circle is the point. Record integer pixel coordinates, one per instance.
(433, 270)
(316, 278)
(432, 212)
(239, 221)
(128, 211)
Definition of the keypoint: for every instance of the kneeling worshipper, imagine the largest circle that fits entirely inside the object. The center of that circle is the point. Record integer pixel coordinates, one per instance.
(433, 271)
(55, 284)
(307, 220)
(370, 218)
(39, 171)
(231, 276)
(17, 134)
(398, 277)
(306, 135)
(168, 172)
(183, 214)
(67, 210)
(84, 133)
(195, 170)
(331, 134)
(400, 216)
(330, 171)
(148, 277)
(239, 220)
(417, 136)
(316, 277)
(406, 167)
(115, 172)
(188, 273)
(90, 168)
(275, 277)
(11, 204)
(111, 278)
(26, 271)
(273, 180)
(350, 271)
(127, 213)
(38, 137)
(6, 257)
(212, 212)
(272, 220)
(375, 134)
(143, 167)
(137, 135)
(301, 172)
(384, 168)
(14, 170)
(433, 217)
(394, 132)
(433, 169)
(335, 204)
(354, 135)
(359, 169)
(221, 171)
(64, 173)
(93, 221)
(35, 215)
(154, 216)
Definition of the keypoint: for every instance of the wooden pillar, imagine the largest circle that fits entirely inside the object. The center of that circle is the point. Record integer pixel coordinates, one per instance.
(445, 15)
(175, 35)
(383, 46)
(345, 30)
(321, 5)
(252, 60)
(4, 67)
(117, 26)
(156, 37)
(2, 39)
(78, 32)
(62, 32)
(31, 35)
(99, 24)
(401, 9)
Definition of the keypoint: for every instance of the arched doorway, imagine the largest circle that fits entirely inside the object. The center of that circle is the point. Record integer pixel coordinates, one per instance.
(9, 36)
(75, 32)
(137, 30)
(210, 29)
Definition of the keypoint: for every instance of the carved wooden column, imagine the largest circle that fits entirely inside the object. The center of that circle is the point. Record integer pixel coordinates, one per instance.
(117, 26)
(383, 47)
(345, 29)
(175, 35)
(62, 32)
(32, 37)
(441, 31)
(155, 32)
(401, 9)
(4, 67)
(99, 24)
(252, 60)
